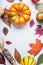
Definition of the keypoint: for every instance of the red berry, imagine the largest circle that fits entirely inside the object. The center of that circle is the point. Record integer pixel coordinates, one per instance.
(35, 1)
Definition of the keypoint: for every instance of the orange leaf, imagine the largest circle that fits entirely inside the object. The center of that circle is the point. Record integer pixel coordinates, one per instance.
(36, 48)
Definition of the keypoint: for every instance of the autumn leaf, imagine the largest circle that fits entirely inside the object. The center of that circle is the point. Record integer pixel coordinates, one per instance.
(5, 18)
(8, 42)
(5, 31)
(40, 60)
(2, 59)
(17, 56)
(39, 30)
(35, 48)
(32, 23)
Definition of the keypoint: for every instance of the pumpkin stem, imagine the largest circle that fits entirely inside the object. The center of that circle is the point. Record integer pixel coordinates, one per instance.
(19, 13)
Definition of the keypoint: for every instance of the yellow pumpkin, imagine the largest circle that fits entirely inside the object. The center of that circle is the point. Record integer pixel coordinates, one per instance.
(19, 13)
(28, 60)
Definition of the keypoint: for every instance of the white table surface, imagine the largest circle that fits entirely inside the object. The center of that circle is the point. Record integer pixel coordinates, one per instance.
(20, 37)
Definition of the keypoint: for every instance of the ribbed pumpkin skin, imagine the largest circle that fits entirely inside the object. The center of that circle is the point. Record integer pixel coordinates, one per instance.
(19, 13)
(28, 60)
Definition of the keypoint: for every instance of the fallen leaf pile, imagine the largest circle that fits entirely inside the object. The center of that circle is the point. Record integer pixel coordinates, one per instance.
(2, 59)
(5, 18)
(39, 30)
(40, 60)
(35, 48)
(17, 56)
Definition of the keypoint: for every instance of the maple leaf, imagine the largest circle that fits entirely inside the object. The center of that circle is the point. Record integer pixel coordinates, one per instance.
(35, 48)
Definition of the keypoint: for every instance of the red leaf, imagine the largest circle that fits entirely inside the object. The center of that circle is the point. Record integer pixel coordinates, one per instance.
(5, 30)
(2, 59)
(41, 33)
(39, 30)
(10, 1)
(39, 26)
(31, 23)
(8, 42)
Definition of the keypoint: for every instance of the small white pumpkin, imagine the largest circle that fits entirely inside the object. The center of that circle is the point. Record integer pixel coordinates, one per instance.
(1, 11)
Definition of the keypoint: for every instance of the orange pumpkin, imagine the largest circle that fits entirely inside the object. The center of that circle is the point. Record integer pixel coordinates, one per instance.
(19, 13)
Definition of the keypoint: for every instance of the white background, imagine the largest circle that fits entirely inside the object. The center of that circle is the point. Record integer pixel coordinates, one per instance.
(20, 37)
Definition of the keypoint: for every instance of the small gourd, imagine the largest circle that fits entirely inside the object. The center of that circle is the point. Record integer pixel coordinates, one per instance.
(28, 60)
(39, 17)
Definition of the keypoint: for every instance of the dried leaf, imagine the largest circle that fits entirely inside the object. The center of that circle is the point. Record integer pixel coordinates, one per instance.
(39, 30)
(36, 48)
(5, 18)
(17, 56)
(5, 31)
(2, 59)
(31, 23)
(5, 11)
(10, 1)
(8, 42)
(39, 26)
(6, 21)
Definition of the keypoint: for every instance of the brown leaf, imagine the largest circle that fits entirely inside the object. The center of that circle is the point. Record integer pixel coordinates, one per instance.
(17, 56)
(2, 59)
(5, 18)
(6, 21)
